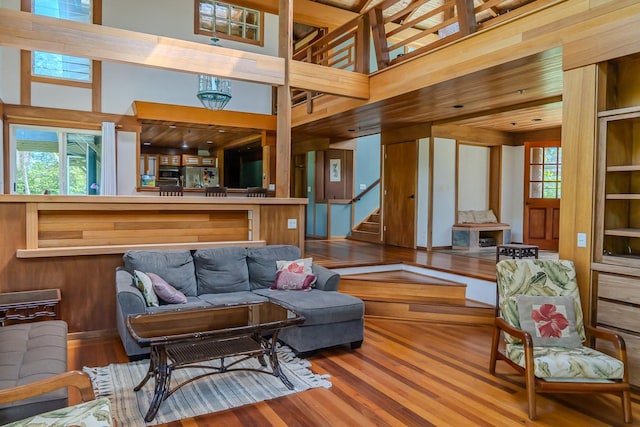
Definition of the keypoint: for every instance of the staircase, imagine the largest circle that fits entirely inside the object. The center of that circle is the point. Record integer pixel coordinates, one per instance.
(368, 230)
(404, 295)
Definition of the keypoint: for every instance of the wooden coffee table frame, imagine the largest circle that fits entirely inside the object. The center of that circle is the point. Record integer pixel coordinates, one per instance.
(182, 339)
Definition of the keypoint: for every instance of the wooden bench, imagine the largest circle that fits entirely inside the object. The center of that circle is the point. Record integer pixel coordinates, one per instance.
(468, 235)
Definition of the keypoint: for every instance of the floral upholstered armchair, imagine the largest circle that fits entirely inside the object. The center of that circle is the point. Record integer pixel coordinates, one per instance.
(540, 332)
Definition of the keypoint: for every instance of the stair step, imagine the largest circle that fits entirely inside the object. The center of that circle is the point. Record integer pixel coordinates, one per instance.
(364, 236)
(371, 227)
(404, 295)
(374, 218)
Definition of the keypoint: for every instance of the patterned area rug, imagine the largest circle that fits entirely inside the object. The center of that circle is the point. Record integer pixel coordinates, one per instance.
(210, 394)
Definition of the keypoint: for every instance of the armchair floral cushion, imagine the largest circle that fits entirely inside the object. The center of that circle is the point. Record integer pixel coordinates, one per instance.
(549, 278)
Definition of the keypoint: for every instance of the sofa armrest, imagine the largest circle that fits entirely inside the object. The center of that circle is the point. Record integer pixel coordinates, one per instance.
(128, 297)
(327, 279)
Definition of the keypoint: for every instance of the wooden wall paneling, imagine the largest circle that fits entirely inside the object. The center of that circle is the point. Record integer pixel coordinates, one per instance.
(552, 134)
(579, 139)
(6, 154)
(273, 225)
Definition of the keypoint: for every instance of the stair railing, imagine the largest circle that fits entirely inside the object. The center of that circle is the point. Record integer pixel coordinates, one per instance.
(357, 198)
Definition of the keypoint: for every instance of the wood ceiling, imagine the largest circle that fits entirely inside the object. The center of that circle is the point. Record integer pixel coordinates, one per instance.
(521, 96)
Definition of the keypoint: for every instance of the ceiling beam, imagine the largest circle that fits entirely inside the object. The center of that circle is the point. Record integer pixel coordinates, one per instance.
(473, 136)
(23, 30)
(334, 81)
(196, 115)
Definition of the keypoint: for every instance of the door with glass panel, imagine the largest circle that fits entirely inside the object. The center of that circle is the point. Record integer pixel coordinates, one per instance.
(542, 191)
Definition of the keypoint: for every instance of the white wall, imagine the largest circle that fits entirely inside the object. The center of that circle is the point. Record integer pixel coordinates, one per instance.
(444, 192)
(422, 217)
(126, 163)
(473, 177)
(513, 190)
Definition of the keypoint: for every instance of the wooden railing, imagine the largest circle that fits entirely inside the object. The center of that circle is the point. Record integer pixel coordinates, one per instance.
(399, 34)
(357, 198)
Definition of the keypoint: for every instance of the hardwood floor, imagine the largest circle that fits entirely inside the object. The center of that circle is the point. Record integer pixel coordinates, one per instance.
(405, 373)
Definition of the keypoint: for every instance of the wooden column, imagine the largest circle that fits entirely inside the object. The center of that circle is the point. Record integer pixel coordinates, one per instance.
(220, 160)
(495, 180)
(283, 138)
(579, 142)
(268, 158)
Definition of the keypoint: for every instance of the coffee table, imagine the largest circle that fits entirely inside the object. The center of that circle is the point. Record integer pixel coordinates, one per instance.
(183, 338)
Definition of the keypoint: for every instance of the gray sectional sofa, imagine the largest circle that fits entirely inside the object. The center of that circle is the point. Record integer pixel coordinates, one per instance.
(30, 352)
(236, 275)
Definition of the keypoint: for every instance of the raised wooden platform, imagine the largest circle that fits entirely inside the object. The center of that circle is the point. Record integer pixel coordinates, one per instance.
(404, 295)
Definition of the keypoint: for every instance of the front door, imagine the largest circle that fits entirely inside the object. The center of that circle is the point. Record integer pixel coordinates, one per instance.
(543, 181)
(399, 195)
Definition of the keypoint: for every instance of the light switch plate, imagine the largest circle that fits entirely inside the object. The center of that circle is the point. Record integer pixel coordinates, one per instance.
(292, 223)
(582, 240)
(363, 186)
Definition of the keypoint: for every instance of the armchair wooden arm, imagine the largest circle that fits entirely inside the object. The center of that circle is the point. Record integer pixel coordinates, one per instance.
(77, 379)
(525, 336)
(612, 337)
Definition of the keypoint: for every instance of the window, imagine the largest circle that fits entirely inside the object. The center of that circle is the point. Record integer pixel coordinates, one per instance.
(545, 176)
(53, 65)
(55, 161)
(231, 22)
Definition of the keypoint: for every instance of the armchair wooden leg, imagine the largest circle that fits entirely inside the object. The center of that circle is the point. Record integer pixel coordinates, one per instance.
(531, 393)
(494, 350)
(626, 406)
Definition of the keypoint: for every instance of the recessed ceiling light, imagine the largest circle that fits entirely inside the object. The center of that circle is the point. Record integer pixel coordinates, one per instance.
(184, 144)
(146, 143)
(172, 126)
(351, 130)
(536, 120)
(458, 106)
(514, 123)
(521, 91)
(209, 142)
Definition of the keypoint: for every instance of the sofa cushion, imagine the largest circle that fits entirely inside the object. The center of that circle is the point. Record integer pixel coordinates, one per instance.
(233, 298)
(192, 302)
(318, 307)
(176, 267)
(288, 280)
(30, 352)
(221, 270)
(261, 262)
(165, 291)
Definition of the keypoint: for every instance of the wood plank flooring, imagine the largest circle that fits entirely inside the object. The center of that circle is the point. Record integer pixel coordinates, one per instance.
(405, 373)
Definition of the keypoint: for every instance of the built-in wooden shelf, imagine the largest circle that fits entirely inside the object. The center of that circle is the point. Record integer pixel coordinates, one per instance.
(623, 168)
(622, 232)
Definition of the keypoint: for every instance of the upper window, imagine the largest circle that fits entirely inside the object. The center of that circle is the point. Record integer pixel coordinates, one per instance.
(54, 65)
(229, 21)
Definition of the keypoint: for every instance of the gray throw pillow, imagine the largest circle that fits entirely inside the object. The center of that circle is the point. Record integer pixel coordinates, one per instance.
(221, 270)
(262, 263)
(176, 267)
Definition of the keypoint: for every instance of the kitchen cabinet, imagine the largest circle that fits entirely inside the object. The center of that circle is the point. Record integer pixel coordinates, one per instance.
(616, 257)
(170, 160)
(190, 160)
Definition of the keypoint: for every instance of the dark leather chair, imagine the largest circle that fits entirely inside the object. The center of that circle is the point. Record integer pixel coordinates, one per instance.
(256, 192)
(215, 191)
(171, 190)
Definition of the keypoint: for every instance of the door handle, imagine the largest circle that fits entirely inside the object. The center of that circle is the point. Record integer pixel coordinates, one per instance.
(413, 196)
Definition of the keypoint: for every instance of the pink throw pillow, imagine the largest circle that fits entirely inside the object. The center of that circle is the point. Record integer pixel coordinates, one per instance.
(290, 281)
(165, 291)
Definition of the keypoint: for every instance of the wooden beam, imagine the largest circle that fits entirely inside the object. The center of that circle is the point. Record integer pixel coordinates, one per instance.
(318, 78)
(600, 40)
(283, 137)
(408, 133)
(473, 136)
(466, 17)
(379, 37)
(34, 32)
(315, 144)
(179, 113)
(363, 45)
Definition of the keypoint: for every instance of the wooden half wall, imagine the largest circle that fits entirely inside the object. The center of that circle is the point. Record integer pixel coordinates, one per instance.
(75, 243)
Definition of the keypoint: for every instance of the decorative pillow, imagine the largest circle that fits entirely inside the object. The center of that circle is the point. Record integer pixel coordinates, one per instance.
(165, 291)
(485, 217)
(292, 281)
(143, 282)
(302, 265)
(466, 217)
(551, 321)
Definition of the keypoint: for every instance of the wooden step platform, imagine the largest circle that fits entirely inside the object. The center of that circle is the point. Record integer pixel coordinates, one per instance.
(404, 295)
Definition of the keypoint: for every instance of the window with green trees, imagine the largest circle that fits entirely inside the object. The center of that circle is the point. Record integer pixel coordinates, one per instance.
(56, 161)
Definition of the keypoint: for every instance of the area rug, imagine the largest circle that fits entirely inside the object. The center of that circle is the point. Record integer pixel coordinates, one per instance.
(210, 394)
